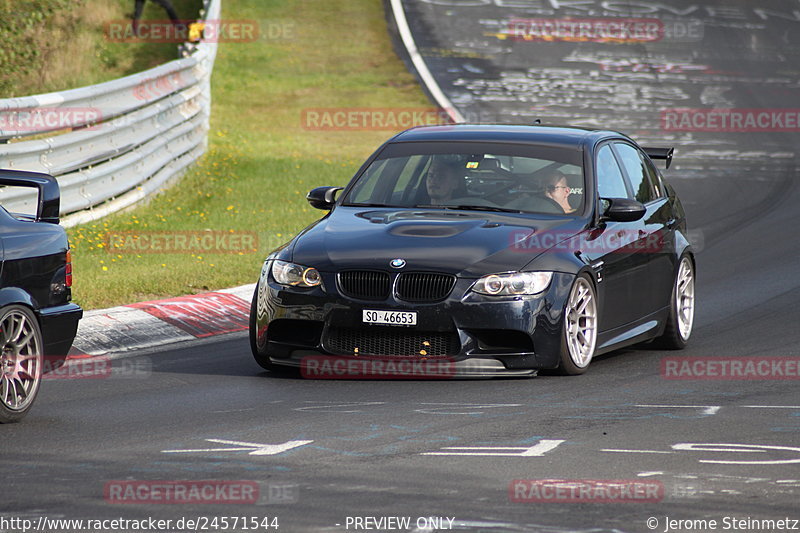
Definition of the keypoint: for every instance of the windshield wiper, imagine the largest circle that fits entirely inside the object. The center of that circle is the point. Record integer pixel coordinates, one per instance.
(359, 204)
(481, 208)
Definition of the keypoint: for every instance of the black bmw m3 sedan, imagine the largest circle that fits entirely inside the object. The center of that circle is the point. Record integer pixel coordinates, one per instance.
(499, 249)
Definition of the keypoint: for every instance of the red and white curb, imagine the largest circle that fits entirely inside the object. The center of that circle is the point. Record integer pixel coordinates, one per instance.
(160, 322)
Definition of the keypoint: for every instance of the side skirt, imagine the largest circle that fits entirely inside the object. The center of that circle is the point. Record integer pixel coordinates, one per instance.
(645, 329)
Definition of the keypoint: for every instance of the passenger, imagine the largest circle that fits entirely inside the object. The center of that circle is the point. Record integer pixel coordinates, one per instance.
(557, 190)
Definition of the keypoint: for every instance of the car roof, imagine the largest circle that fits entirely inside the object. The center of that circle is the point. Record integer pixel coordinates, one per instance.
(566, 136)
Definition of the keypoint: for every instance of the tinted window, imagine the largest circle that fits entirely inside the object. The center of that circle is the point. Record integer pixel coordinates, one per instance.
(402, 172)
(610, 183)
(655, 178)
(528, 178)
(638, 172)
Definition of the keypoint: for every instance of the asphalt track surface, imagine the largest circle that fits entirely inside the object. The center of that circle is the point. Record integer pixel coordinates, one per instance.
(431, 448)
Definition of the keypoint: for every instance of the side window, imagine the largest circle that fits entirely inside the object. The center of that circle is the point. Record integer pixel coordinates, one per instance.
(655, 178)
(637, 169)
(610, 183)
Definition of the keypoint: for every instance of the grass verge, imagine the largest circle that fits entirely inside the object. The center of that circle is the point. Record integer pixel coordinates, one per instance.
(261, 160)
(53, 45)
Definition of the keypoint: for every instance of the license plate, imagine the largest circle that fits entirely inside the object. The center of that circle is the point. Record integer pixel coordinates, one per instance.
(389, 318)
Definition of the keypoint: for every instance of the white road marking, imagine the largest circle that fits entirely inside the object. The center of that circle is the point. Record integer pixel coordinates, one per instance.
(705, 409)
(542, 447)
(740, 448)
(419, 63)
(697, 448)
(725, 477)
(633, 451)
(648, 474)
(252, 447)
(333, 407)
(772, 406)
(734, 448)
(461, 408)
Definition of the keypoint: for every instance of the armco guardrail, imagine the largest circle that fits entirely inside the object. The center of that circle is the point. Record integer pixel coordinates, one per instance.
(110, 145)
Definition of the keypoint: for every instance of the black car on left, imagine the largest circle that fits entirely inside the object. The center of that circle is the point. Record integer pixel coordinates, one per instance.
(38, 321)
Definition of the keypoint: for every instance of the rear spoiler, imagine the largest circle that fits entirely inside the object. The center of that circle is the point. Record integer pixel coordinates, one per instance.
(660, 153)
(49, 199)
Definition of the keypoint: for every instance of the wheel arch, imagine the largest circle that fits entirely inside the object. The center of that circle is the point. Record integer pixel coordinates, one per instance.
(18, 296)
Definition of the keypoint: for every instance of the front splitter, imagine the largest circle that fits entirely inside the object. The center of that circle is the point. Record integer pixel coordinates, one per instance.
(314, 365)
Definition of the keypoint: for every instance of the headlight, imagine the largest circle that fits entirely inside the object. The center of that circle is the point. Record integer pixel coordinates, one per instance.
(513, 284)
(295, 275)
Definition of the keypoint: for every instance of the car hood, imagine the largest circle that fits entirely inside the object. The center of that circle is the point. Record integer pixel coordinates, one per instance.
(466, 243)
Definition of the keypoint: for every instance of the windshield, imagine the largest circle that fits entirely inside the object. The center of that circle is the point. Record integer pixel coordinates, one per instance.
(514, 178)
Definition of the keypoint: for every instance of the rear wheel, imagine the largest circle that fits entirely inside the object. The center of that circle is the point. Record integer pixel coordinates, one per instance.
(21, 360)
(681, 310)
(579, 336)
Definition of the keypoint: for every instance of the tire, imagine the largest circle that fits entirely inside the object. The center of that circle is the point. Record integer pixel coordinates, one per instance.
(21, 355)
(259, 355)
(579, 332)
(681, 308)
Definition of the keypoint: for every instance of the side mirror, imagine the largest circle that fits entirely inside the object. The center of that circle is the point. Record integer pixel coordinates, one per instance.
(323, 197)
(49, 201)
(622, 209)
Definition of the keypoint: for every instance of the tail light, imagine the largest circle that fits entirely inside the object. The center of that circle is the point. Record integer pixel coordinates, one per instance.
(68, 280)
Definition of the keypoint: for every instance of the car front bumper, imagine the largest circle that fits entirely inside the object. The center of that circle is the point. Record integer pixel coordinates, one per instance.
(477, 335)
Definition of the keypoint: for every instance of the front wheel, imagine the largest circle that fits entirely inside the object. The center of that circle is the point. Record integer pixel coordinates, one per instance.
(21, 356)
(259, 355)
(579, 336)
(681, 310)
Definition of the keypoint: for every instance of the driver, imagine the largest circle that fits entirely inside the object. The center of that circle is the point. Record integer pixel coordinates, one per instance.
(441, 182)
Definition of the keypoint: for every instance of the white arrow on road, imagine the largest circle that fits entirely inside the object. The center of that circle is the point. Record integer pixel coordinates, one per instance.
(542, 447)
(734, 448)
(254, 448)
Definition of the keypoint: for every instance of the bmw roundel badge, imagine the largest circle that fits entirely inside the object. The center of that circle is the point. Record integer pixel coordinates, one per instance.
(398, 263)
